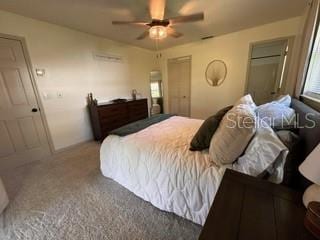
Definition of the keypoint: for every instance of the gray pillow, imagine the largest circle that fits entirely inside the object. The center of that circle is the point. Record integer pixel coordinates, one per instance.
(202, 138)
(292, 142)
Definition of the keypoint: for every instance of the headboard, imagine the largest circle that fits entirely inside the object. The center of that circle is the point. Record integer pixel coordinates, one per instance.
(309, 137)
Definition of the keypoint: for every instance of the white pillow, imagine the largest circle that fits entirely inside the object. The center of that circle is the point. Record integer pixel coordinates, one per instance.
(247, 100)
(284, 100)
(276, 114)
(264, 151)
(233, 134)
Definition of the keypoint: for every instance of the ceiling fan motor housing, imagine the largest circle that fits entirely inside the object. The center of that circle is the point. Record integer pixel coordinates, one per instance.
(157, 22)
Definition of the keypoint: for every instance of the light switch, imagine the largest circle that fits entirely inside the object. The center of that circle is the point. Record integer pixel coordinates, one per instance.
(60, 94)
(40, 72)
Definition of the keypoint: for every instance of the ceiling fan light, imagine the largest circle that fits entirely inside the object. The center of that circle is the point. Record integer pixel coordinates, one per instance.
(158, 32)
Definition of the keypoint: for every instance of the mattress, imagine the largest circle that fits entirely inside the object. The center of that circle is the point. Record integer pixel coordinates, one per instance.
(156, 165)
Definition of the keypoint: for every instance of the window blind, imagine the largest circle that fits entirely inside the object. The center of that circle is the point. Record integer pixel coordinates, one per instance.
(312, 85)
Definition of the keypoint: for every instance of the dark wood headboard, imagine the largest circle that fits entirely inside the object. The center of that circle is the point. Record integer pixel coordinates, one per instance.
(309, 133)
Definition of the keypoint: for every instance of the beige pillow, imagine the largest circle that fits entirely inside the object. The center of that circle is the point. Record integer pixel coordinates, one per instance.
(247, 99)
(233, 134)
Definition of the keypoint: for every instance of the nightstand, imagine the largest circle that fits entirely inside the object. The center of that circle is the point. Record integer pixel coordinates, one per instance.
(248, 208)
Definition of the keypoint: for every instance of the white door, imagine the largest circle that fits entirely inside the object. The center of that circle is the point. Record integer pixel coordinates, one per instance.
(179, 78)
(22, 134)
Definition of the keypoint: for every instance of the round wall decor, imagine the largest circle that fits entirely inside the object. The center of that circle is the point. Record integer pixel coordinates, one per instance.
(216, 72)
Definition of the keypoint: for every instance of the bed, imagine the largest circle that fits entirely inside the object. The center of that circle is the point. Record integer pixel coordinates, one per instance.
(156, 165)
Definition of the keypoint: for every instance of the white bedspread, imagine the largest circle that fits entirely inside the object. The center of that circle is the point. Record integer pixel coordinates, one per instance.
(156, 165)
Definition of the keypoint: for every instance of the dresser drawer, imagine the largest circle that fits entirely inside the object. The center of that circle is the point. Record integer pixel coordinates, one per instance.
(112, 110)
(138, 116)
(119, 117)
(111, 125)
(138, 104)
(138, 110)
(114, 124)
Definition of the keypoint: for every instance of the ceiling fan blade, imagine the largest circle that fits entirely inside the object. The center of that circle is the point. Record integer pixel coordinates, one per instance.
(156, 8)
(132, 23)
(188, 18)
(143, 35)
(173, 33)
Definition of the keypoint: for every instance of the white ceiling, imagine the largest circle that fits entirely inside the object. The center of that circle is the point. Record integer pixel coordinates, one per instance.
(95, 16)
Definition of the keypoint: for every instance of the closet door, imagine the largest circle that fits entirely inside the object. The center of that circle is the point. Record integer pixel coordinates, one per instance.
(179, 78)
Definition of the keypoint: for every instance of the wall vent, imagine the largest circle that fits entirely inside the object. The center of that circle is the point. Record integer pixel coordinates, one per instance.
(106, 57)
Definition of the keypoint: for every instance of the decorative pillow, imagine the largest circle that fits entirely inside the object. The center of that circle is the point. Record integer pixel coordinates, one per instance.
(247, 100)
(276, 115)
(202, 138)
(233, 134)
(284, 100)
(265, 155)
(292, 142)
(292, 127)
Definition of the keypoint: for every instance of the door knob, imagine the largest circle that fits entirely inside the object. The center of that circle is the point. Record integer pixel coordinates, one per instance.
(34, 110)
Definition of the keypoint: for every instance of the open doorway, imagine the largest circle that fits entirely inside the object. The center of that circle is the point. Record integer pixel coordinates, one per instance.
(267, 69)
(156, 92)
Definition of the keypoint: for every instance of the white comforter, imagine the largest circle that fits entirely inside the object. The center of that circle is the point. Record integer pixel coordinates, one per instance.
(156, 165)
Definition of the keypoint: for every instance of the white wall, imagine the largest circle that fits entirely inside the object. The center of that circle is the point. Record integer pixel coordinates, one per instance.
(67, 57)
(234, 50)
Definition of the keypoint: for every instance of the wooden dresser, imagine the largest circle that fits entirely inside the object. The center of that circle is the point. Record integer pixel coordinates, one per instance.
(110, 116)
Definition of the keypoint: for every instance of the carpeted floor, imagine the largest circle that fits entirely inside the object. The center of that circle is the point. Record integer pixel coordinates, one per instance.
(68, 198)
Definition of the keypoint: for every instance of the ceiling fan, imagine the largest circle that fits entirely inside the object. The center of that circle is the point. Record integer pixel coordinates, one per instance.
(160, 28)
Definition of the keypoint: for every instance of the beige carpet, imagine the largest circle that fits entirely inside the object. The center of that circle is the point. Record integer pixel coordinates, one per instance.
(68, 198)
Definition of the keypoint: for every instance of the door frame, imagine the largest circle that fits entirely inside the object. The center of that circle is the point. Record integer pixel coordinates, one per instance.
(290, 40)
(23, 42)
(187, 57)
